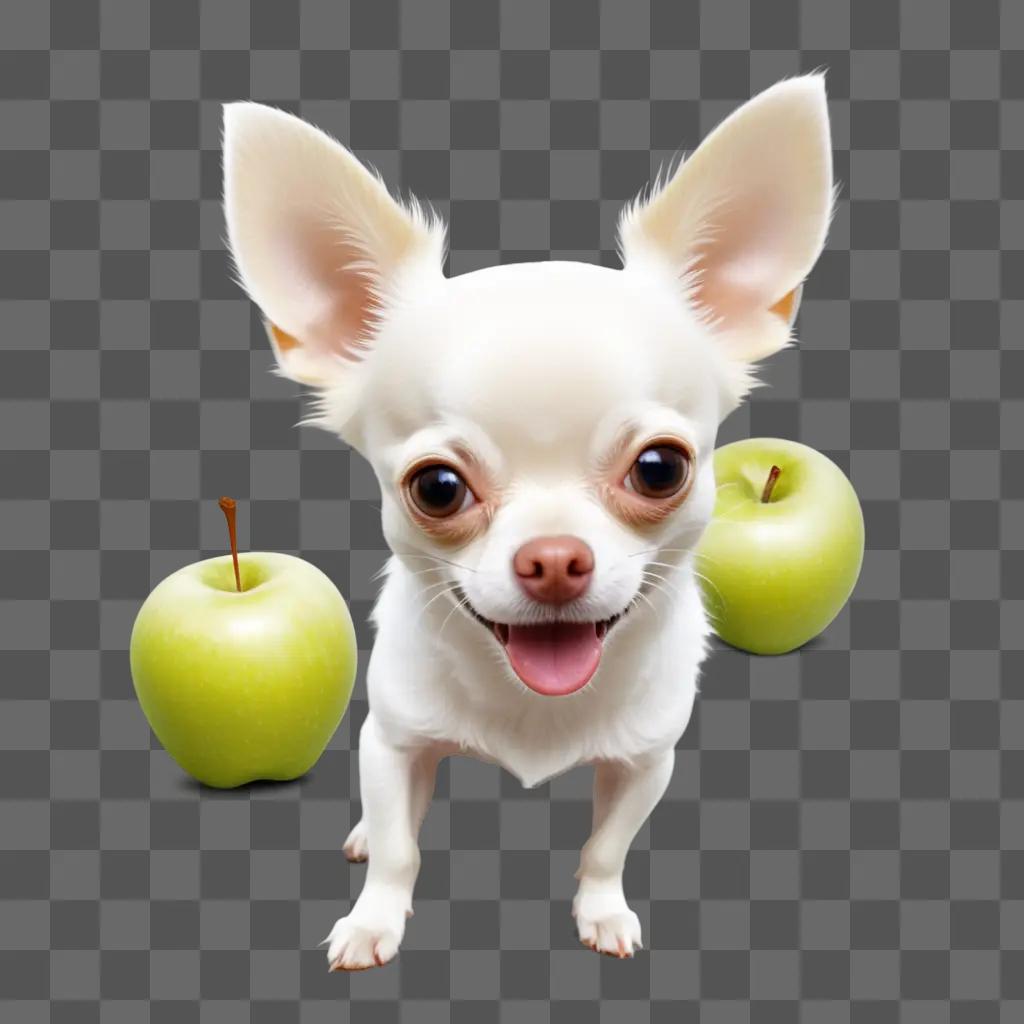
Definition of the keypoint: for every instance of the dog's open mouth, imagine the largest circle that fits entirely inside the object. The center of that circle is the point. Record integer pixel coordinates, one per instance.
(551, 658)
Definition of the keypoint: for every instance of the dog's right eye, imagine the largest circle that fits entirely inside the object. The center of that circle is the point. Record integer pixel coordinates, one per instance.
(439, 491)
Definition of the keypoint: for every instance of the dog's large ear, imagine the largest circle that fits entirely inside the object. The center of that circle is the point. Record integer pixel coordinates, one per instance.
(742, 221)
(318, 241)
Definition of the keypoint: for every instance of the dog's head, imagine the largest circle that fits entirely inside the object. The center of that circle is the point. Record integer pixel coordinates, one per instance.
(542, 432)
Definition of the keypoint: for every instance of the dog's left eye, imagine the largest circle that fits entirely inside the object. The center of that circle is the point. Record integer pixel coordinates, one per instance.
(439, 491)
(659, 472)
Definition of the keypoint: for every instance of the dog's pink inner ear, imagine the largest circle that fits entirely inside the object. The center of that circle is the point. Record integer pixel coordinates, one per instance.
(359, 310)
(343, 307)
(737, 270)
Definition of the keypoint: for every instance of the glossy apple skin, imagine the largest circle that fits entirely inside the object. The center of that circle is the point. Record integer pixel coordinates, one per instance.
(250, 685)
(778, 573)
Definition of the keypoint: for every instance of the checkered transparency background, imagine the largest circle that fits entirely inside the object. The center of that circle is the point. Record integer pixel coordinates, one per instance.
(842, 841)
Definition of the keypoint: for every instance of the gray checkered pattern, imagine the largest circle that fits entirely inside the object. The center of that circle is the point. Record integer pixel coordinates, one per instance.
(844, 837)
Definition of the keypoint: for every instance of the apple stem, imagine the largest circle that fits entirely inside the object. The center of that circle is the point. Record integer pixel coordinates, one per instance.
(769, 484)
(229, 507)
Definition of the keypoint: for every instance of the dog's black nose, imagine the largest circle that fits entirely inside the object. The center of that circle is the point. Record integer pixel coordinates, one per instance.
(554, 570)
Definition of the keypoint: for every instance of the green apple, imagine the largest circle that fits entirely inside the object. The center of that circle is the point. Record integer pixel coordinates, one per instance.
(784, 548)
(249, 683)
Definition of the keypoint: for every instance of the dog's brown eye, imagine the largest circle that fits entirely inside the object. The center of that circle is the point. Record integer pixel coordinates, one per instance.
(659, 471)
(438, 491)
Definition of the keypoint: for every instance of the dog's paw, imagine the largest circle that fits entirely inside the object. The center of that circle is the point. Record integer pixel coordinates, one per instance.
(356, 847)
(605, 923)
(369, 936)
(356, 947)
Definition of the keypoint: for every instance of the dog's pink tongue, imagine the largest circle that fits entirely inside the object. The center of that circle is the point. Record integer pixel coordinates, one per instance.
(554, 659)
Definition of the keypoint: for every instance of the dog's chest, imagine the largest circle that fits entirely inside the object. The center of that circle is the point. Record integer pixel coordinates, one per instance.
(540, 747)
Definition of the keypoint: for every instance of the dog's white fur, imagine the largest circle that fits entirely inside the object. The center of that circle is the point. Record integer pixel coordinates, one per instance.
(536, 369)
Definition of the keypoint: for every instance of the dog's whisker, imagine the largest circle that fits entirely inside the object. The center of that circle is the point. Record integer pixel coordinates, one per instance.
(383, 570)
(661, 578)
(634, 601)
(711, 583)
(433, 568)
(649, 602)
(423, 610)
(658, 590)
(661, 551)
(449, 590)
(665, 565)
(426, 589)
(460, 604)
(435, 558)
(707, 558)
(665, 576)
(656, 586)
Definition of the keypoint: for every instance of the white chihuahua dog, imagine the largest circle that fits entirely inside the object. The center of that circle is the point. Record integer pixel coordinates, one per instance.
(543, 436)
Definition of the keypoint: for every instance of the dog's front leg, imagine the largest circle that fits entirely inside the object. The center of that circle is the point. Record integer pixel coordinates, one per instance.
(357, 845)
(392, 784)
(624, 796)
